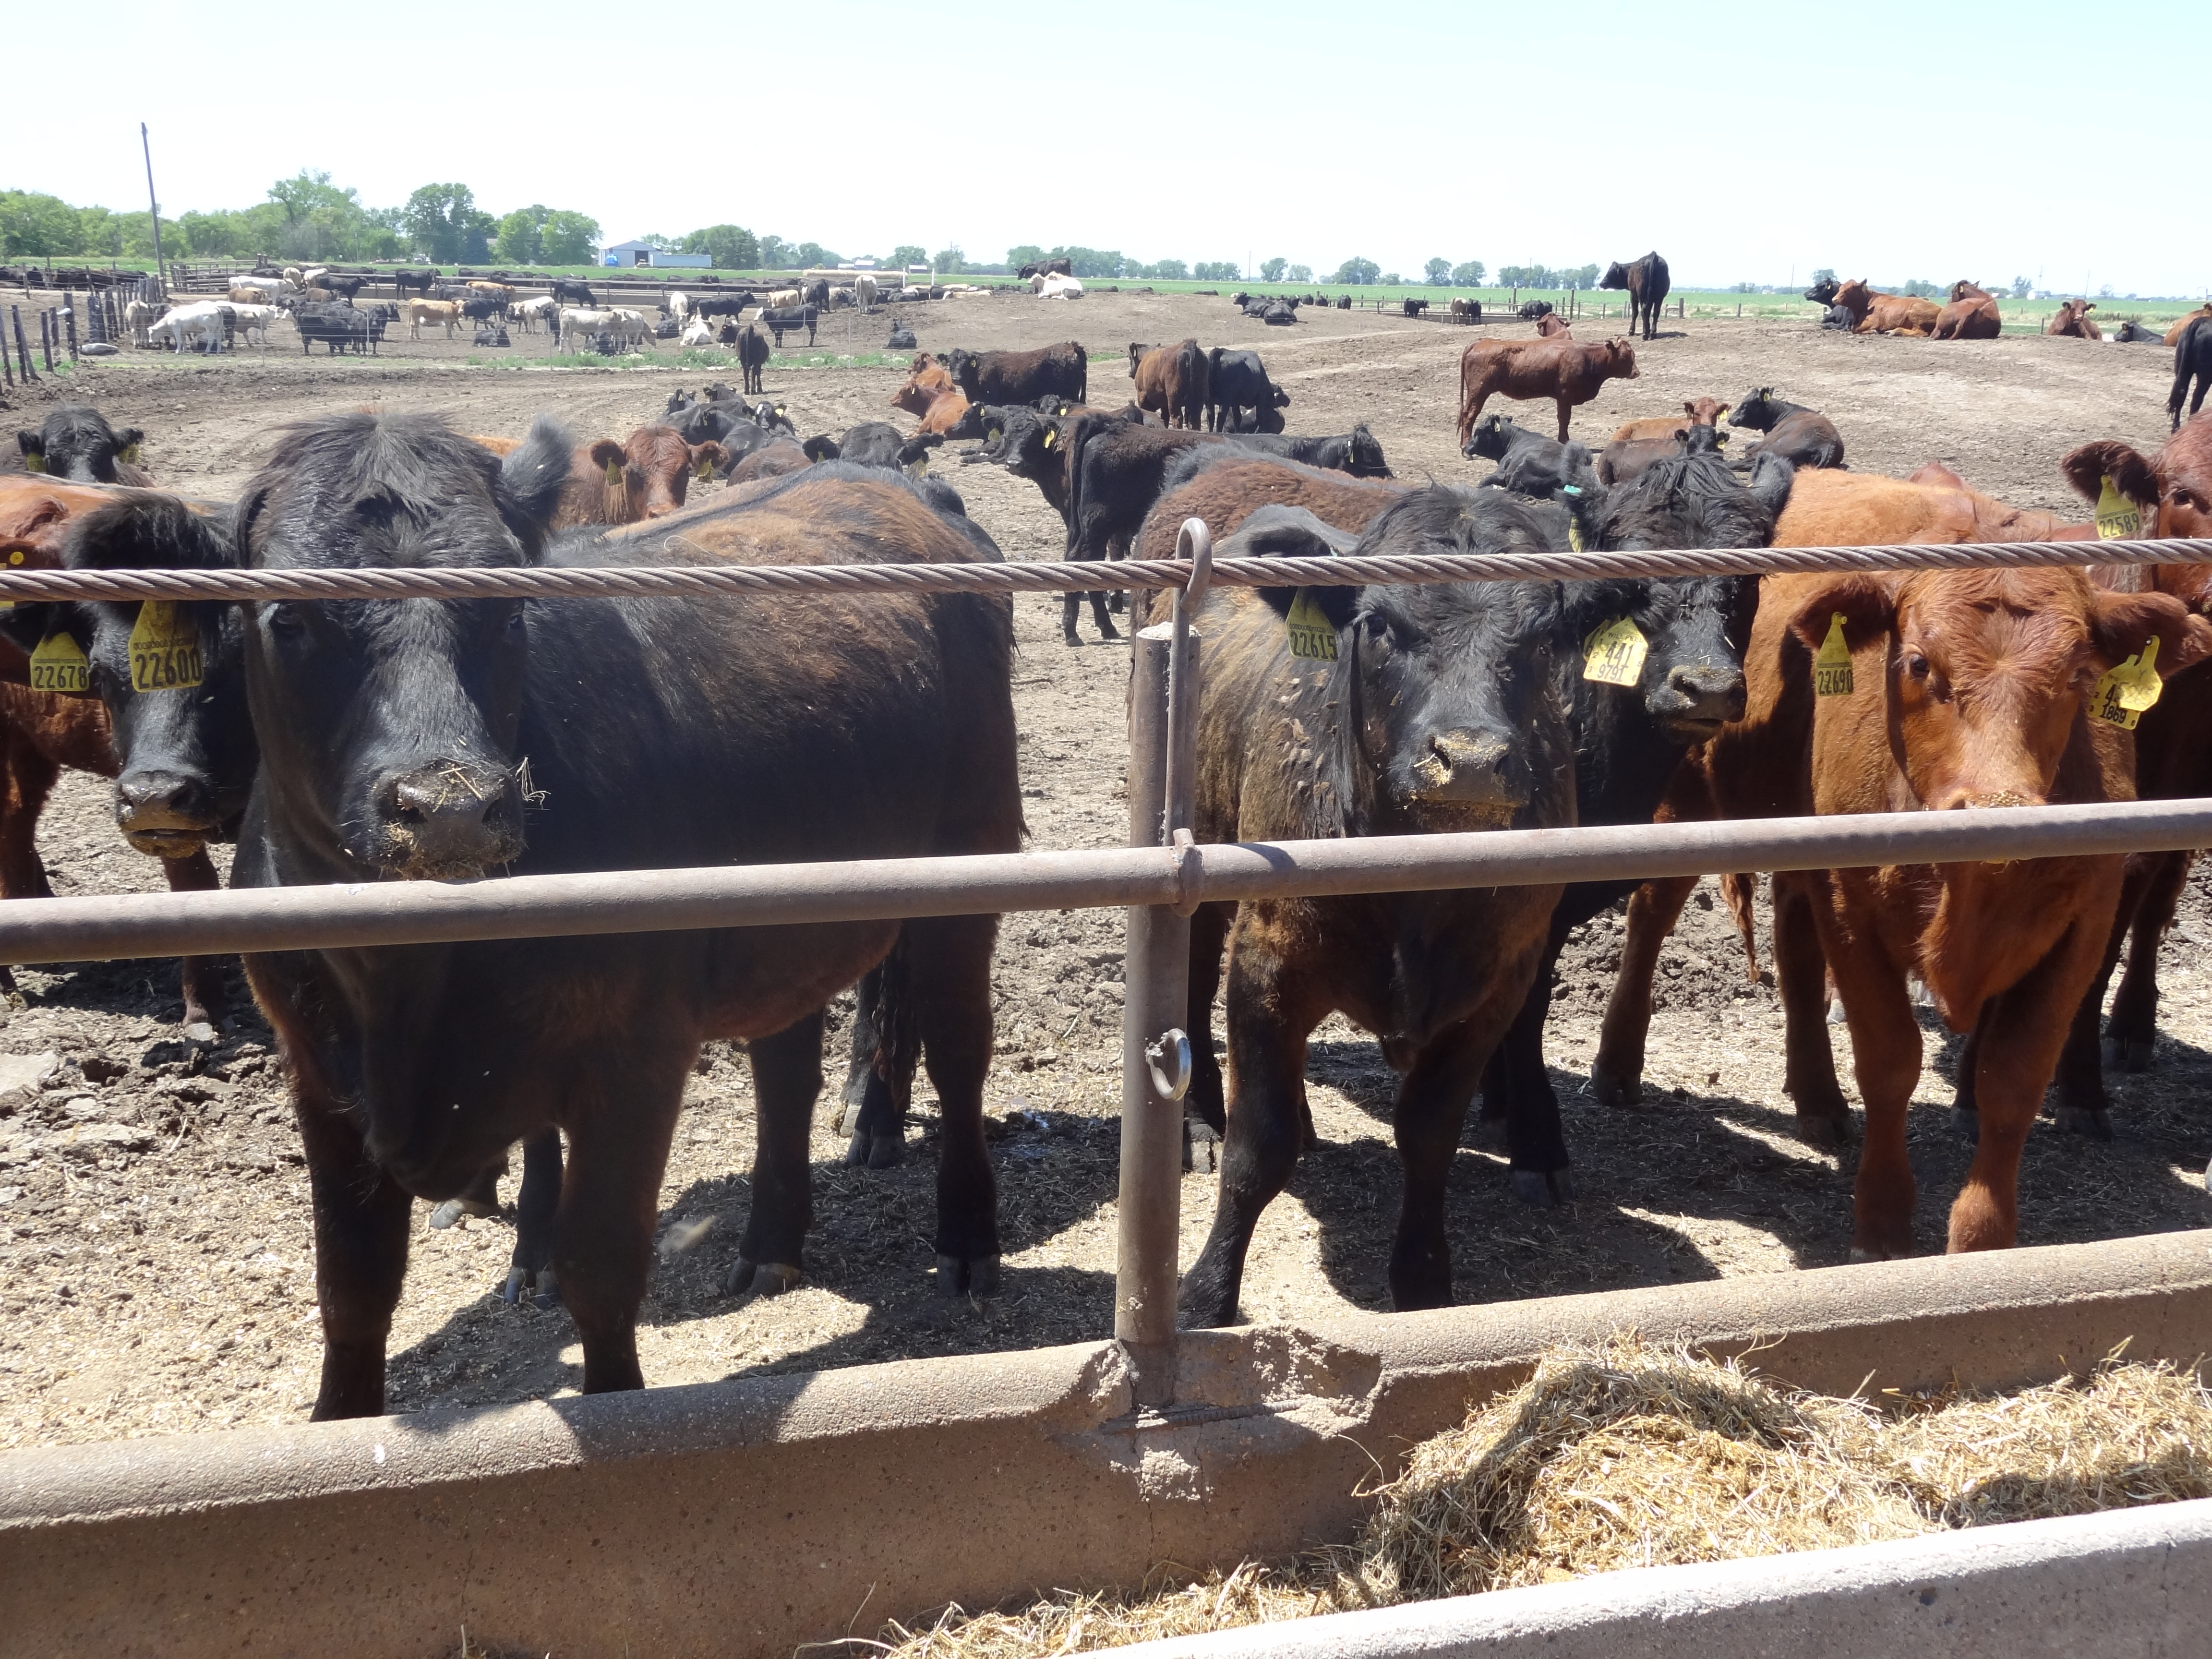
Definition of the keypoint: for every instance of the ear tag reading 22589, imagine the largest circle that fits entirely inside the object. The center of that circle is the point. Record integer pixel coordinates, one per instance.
(2117, 519)
(165, 649)
(1312, 636)
(2124, 692)
(1615, 653)
(1832, 666)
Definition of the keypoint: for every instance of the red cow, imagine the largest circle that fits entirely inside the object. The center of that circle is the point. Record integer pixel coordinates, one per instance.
(2072, 319)
(1878, 313)
(1971, 314)
(929, 392)
(1561, 370)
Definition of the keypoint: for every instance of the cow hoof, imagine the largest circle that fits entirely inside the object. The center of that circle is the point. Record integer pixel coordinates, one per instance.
(1610, 1090)
(970, 1276)
(1107, 631)
(1824, 1134)
(1542, 1189)
(1070, 639)
(2127, 1054)
(1119, 603)
(1863, 1253)
(541, 1290)
(1967, 1122)
(450, 1213)
(748, 1280)
(1201, 1148)
(874, 1151)
(2085, 1120)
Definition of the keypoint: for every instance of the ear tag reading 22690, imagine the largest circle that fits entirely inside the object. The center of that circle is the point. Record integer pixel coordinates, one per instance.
(2117, 519)
(2124, 692)
(1615, 653)
(165, 649)
(1312, 636)
(1832, 666)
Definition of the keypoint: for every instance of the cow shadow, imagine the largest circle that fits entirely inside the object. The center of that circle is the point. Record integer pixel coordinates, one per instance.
(133, 989)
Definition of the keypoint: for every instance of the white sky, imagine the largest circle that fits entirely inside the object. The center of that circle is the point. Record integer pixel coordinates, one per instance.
(1750, 145)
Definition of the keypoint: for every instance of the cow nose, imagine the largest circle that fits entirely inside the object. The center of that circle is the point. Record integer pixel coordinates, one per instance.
(1466, 768)
(1703, 695)
(1964, 798)
(449, 820)
(159, 800)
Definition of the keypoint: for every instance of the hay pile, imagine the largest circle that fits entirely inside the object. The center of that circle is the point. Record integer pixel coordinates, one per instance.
(1632, 1456)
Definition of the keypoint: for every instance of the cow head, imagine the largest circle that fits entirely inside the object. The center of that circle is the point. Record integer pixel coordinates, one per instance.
(187, 753)
(1363, 455)
(1492, 437)
(1987, 673)
(1706, 412)
(1617, 360)
(76, 444)
(657, 467)
(1616, 276)
(2173, 489)
(1759, 412)
(1453, 719)
(1137, 350)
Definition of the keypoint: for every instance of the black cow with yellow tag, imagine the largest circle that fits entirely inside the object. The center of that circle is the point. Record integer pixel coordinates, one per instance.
(75, 443)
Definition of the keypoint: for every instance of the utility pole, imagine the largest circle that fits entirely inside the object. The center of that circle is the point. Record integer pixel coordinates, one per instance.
(146, 145)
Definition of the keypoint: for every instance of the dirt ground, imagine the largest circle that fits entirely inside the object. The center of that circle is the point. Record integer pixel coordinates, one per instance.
(155, 1257)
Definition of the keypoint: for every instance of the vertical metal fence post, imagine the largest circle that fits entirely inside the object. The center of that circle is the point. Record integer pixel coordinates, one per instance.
(1155, 1051)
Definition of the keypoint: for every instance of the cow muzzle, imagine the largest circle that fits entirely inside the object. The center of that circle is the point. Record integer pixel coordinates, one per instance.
(1467, 773)
(450, 821)
(1696, 699)
(169, 815)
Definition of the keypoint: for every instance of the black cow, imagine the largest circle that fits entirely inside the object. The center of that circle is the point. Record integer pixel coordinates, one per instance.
(1280, 314)
(874, 443)
(392, 737)
(1647, 282)
(1355, 452)
(572, 291)
(341, 328)
(901, 339)
(753, 358)
(1839, 318)
(1533, 309)
(2192, 359)
(1799, 435)
(1823, 292)
(1415, 308)
(816, 293)
(1629, 739)
(770, 416)
(420, 280)
(1047, 268)
(2132, 331)
(1528, 463)
(779, 321)
(344, 287)
(1021, 377)
(76, 444)
(492, 336)
(721, 304)
(1416, 709)
(483, 309)
(1116, 471)
(1237, 380)
(1344, 302)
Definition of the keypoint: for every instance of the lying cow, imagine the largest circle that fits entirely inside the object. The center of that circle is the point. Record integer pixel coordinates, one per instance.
(1804, 437)
(2071, 321)
(1874, 311)
(1970, 314)
(930, 393)
(876, 443)
(1528, 463)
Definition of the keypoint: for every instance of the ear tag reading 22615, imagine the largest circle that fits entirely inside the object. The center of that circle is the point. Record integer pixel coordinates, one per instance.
(1832, 666)
(1615, 653)
(2117, 519)
(1312, 636)
(58, 665)
(2124, 692)
(165, 649)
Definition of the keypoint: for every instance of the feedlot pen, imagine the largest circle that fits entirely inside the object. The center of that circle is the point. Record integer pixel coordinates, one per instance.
(155, 1264)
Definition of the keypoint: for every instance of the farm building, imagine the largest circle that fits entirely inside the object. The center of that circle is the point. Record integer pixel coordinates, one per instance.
(644, 254)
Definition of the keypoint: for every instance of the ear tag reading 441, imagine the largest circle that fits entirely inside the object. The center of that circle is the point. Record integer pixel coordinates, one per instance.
(165, 649)
(1312, 636)
(2124, 692)
(1615, 653)
(58, 665)
(1832, 666)
(2117, 519)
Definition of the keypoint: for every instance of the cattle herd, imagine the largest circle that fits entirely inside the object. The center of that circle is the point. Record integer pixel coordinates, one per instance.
(449, 740)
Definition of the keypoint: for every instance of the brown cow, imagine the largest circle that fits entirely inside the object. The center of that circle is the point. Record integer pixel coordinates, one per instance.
(929, 392)
(612, 483)
(1696, 411)
(1561, 370)
(1552, 326)
(419, 311)
(1829, 507)
(1878, 313)
(1174, 381)
(2173, 335)
(1971, 315)
(2071, 321)
(773, 460)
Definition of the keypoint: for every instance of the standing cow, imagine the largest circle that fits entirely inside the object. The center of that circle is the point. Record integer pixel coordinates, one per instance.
(1647, 282)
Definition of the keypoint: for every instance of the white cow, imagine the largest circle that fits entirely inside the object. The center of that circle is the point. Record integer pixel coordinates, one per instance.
(578, 323)
(1051, 285)
(782, 297)
(631, 327)
(864, 290)
(252, 320)
(138, 316)
(677, 306)
(696, 333)
(201, 326)
(530, 313)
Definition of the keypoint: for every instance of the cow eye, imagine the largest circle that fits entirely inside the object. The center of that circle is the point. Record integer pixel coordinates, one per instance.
(512, 624)
(1916, 665)
(285, 622)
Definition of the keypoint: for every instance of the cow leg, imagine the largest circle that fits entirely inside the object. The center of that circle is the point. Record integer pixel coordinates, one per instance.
(1270, 1017)
(1098, 615)
(29, 780)
(1566, 411)
(621, 1115)
(1432, 1102)
(1885, 1054)
(1071, 606)
(1801, 974)
(2132, 1032)
(2026, 1025)
(1617, 1072)
(879, 1079)
(206, 1003)
(537, 1207)
(1516, 1087)
(1203, 1116)
(951, 986)
(787, 1078)
(361, 1251)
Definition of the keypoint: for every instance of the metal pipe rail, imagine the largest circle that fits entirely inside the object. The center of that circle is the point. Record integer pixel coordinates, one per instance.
(1176, 877)
(644, 582)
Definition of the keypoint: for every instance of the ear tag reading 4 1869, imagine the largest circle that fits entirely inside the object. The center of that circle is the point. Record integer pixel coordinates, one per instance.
(2117, 519)
(1312, 636)
(1615, 653)
(1832, 666)
(2124, 692)
(165, 649)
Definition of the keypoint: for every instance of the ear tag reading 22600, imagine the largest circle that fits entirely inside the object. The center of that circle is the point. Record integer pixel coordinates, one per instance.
(2117, 519)
(1312, 636)
(1615, 653)
(165, 649)
(1832, 667)
(2124, 692)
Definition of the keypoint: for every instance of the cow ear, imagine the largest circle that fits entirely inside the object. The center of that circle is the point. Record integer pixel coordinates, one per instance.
(1581, 494)
(34, 451)
(1292, 533)
(1772, 478)
(2120, 623)
(532, 477)
(1867, 607)
(822, 447)
(146, 530)
(2087, 467)
(708, 459)
(128, 440)
(26, 624)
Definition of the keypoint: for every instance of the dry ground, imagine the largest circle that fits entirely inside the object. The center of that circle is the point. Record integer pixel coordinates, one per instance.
(156, 1259)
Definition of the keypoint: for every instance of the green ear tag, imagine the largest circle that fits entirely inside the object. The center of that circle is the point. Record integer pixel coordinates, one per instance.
(2124, 692)
(58, 665)
(1832, 667)
(165, 649)
(2116, 518)
(1312, 636)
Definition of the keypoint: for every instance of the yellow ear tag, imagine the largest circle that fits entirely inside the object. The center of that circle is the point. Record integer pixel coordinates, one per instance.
(614, 472)
(1613, 654)
(1313, 635)
(704, 468)
(34, 463)
(58, 665)
(921, 467)
(1832, 666)
(128, 452)
(1575, 535)
(1051, 436)
(2124, 692)
(165, 649)
(2117, 519)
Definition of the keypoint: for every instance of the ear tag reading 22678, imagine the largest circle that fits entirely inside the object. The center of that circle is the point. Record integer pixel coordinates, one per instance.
(2124, 692)
(1615, 653)
(2117, 519)
(1312, 636)
(58, 665)
(165, 649)
(1832, 666)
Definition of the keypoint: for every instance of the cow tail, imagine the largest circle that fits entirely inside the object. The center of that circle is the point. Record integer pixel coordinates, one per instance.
(897, 1047)
(1077, 431)
(1739, 889)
